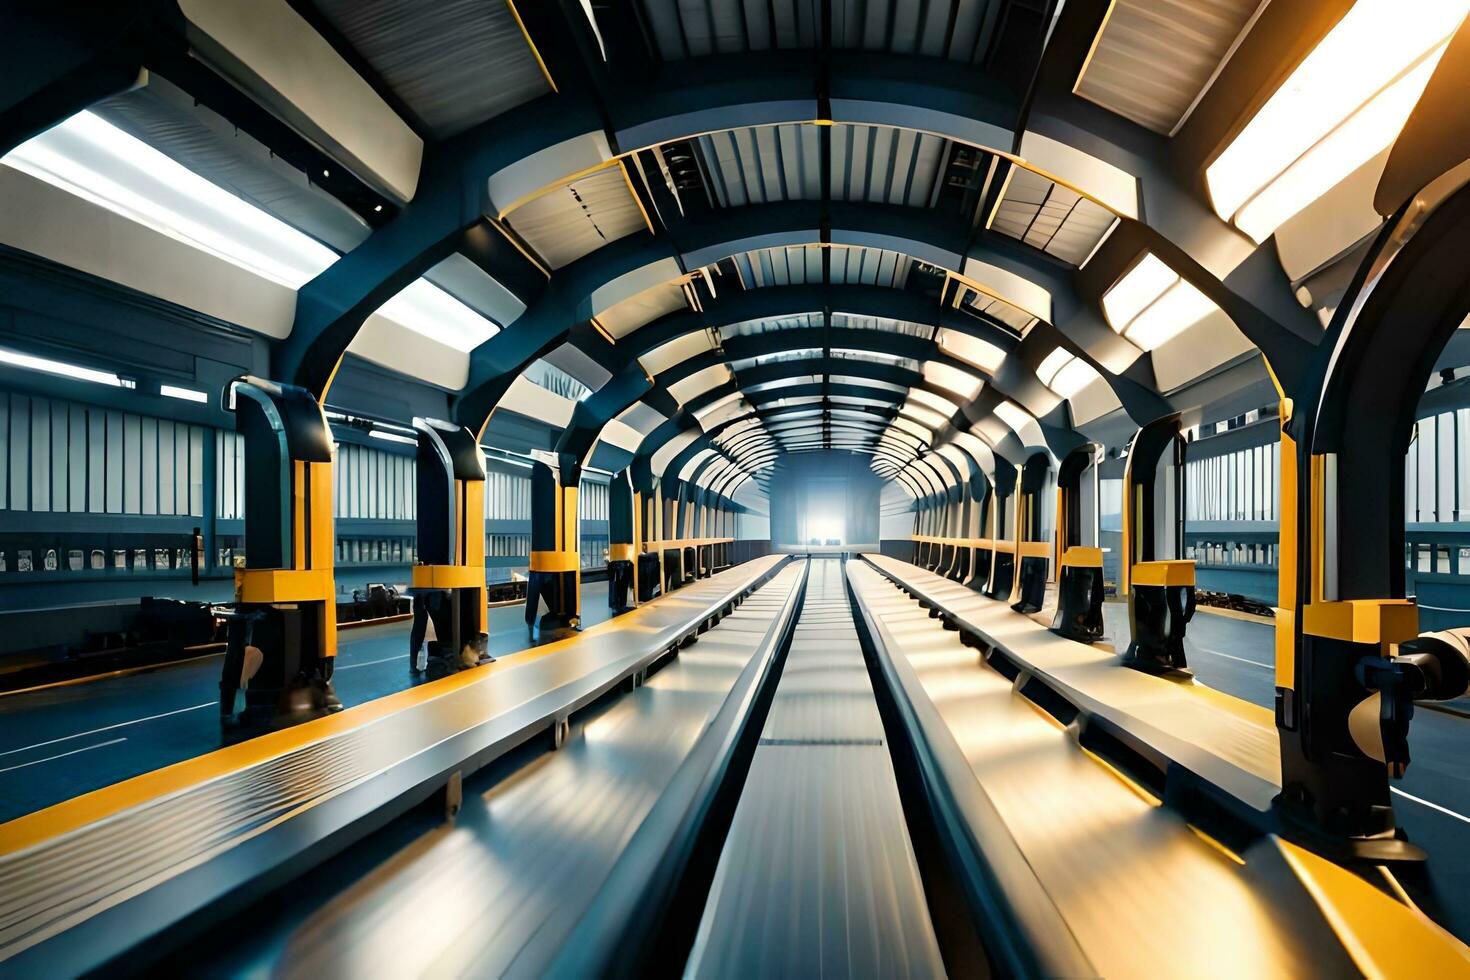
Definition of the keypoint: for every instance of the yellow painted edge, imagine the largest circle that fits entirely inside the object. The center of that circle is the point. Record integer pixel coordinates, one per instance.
(515, 243)
(1134, 787)
(69, 815)
(1216, 846)
(628, 182)
(1166, 572)
(448, 577)
(555, 561)
(556, 185)
(540, 62)
(1384, 937)
(1092, 49)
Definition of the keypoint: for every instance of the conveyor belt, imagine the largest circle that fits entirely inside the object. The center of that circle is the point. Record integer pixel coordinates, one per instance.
(497, 892)
(1121, 881)
(818, 876)
(84, 881)
(1217, 740)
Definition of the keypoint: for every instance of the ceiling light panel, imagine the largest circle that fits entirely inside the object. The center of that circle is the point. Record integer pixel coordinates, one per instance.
(1065, 374)
(1013, 416)
(1339, 108)
(924, 416)
(1150, 304)
(431, 312)
(972, 350)
(627, 315)
(963, 384)
(93, 159)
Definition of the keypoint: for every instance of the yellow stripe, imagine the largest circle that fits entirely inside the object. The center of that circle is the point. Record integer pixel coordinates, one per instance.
(531, 44)
(69, 815)
(555, 561)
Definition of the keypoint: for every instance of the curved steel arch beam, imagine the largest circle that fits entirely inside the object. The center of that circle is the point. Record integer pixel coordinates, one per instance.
(492, 165)
(981, 406)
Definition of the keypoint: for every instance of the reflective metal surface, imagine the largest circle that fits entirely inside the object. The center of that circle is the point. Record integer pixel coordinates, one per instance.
(106, 871)
(818, 877)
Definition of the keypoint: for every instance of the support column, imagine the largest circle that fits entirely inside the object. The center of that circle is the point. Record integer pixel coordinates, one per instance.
(623, 544)
(555, 578)
(283, 634)
(1079, 563)
(449, 578)
(1158, 582)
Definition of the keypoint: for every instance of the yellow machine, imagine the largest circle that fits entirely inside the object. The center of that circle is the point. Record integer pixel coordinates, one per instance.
(1158, 582)
(449, 579)
(283, 633)
(555, 579)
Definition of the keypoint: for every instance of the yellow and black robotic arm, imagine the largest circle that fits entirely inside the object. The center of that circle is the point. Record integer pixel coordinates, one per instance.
(283, 632)
(449, 577)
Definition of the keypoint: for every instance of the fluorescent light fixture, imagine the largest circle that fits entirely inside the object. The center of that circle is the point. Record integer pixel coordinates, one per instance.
(75, 371)
(1013, 416)
(1151, 304)
(971, 350)
(1139, 287)
(1051, 364)
(428, 310)
(186, 394)
(1065, 374)
(805, 379)
(1180, 307)
(1342, 105)
(962, 383)
(94, 160)
(1074, 377)
(392, 437)
(701, 413)
(856, 382)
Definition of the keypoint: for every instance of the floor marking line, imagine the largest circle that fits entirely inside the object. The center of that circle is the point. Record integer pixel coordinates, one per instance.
(106, 728)
(1229, 656)
(1433, 806)
(63, 755)
(369, 663)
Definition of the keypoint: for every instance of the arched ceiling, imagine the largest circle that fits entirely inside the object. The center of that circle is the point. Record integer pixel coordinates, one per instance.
(941, 233)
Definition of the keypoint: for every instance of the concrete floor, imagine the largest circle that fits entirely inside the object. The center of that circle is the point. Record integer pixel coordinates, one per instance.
(1432, 800)
(60, 742)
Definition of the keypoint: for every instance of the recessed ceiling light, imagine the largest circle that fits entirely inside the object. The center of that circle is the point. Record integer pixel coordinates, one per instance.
(1345, 103)
(1151, 304)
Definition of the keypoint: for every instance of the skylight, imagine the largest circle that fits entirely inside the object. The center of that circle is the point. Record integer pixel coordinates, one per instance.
(1345, 103)
(1151, 304)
